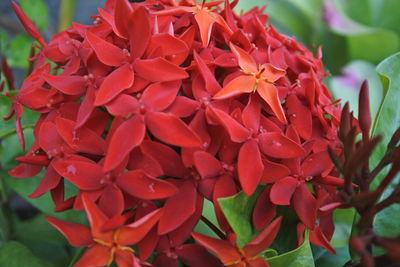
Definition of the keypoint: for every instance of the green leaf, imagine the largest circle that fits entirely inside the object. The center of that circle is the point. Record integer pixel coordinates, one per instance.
(208, 212)
(300, 257)
(37, 12)
(327, 259)
(14, 254)
(238, 210)
(388, 116)
(18, 51)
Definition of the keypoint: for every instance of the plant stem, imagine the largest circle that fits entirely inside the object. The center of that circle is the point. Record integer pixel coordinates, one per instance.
(213, 227)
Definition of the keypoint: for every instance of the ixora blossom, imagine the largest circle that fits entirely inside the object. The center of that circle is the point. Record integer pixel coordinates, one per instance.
(160, 105)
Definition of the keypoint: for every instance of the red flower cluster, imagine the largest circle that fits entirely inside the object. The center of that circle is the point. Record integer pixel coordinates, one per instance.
(160, 105)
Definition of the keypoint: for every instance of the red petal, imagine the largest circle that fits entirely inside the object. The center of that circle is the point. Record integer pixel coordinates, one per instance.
(28, 25)
(70, 85)
(111, 201)
(140, 185)
(96, 218)
(139, 31)
(206, 164)
(197, 256)
(176, 211)
(125, 138)
(251, 114)
(25, 170)
(49, 139)
(264, 210)
(279, 146)
(283, 190)
(205, 20)
(269, 93)
(250, 166)
(171, 130)
(224, 250)
(182, 107)
(168, 158)
(173, 49)
(272, 73)
(159, 70)
(82, 139)
(116, 82)
(76, 234)
(236, 131)
(316, 163)
(123, 105)
(305, 205)
(98, 255)
(246, 62)
(212, 86)
(107, 53)
(123, 11)
(239, 85)
(84, 175)
(49, 181)
(273, 171)
(318, 238)
(134, 232)
(158, 96)
(263, 239)
(86, 107)
(299, 116)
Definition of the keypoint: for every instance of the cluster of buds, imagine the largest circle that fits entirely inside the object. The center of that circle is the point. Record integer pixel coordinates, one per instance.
(358, 192)
(160, 105)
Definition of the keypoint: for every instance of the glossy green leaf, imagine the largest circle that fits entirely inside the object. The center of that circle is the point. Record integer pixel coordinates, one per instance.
(326, 259)
(238, 210)
(14, 254)
(388, 116)
(300, 257)
(18, 51)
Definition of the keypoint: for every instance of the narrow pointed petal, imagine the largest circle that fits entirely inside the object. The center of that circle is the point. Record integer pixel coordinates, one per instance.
(246, 62)
(107, 53)
(176, 211)
(239, 85)
(123, 11)
(251, 114)
(279, 146)
(264, 210)
(283, 190)
(171, 130)
(126, 137)
(82, 140)
(212, 86)
(205, 21)
(318, 238)
(236, 131)
(273, 171)
(273, 73)
(264, 239)
(140, 185)
(269, 93)
(159, 96)
(222, 248)
(86, 108)
(49, 181)
(28, 25)
(84, 175)
(97, 255)
(139, 31)
(95, 216)
(159, 70)
(206, 164)
(24, 170)
(69, 85)
(250, 166)
(305, 206)
(116, 82)
(134, 232)
(76, 234)
(299, 116)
